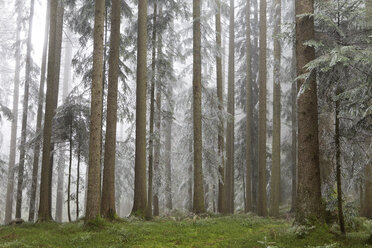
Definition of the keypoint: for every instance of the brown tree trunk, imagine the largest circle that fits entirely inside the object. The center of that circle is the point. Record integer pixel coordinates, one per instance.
(198, 197)
(22, 152)
(69, 176)
(51, 101)
(275, 169)
(249, 114)
(152, 111)
(230, 133)
(108, 190)
(261, 203)
(367, 203)
(140, 201)
(13, 132)
(94, 173)
(189, 206)
(35, 166)
(221, 141)
(309, 206)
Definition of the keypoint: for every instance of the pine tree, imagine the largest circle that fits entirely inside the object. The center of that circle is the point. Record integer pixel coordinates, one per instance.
(108, 190)
(94, 170)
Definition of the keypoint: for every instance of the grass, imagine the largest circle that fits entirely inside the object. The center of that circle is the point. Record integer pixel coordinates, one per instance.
(219, 231)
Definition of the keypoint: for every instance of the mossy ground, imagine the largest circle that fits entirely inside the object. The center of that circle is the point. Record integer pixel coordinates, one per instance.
(219, 231)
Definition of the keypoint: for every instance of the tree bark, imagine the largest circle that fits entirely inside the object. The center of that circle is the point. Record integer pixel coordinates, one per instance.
(108, 190)
(275, 169)
(78, 182)
(309, 206)
(198, 197)
(69, 176)
(35, 166)
(261, 203)
(249, 114)
(152, 111)
(94, 172)
(140, 201)
(13, 132)
(22, 152)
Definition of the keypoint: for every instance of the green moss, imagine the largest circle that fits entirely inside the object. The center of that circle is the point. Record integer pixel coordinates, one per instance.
(216, 231)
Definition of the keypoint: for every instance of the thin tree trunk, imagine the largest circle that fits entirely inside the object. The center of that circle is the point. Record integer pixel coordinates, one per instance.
(275, 169)
(94, 173)
(261, 203)
(152, 111)
(13, 133)
(230, 123)
(22, 153)
(35, 166)
(221, 142)
(309, 202)
(78, 183)
(367, 203)
(198, 197)
(69, 175)
(190, 180)
(45, 183)
(108, 190)
(140, 199)
(249, 114)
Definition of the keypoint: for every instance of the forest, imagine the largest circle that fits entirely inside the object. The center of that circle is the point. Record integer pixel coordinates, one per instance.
(186, 123)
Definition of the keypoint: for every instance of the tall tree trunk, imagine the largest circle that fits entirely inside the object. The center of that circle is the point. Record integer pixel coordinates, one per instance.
(13, 132)
(22, 152)
(51, 96)
(275, 169)
(198, 197)
(367, 197)
(35, 166)
(230, 123)
(94, 172)
(309, 206)
(338, 166)
(190, 180)
(221, 141)
(261, 203)
(152, 111)
(78, 182)
(249, 114)
(158, 116)
(69, 175)
(61, 159)
(108, 190)
(140, 199)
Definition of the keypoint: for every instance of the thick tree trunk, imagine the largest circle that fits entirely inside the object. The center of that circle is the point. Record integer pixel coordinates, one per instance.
(309, 206)
(35, 166)
(140, 201)
(249, 114)
(198, 197)
(108, 190)
(13, 132)
(275, 169)
(56, 17)
(152, 111)
(294, 130)
(94, 172)
(261, 203)
(230, 133)
(221, 140)
(158, 118)
(22, 152)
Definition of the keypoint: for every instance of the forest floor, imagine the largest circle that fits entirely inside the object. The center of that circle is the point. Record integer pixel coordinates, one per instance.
(214, 231)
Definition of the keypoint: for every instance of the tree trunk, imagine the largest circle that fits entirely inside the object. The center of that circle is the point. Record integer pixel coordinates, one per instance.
(50, 106)
(35, 166)
(309, 206)
(108, 190)
(230, 123)
(13, 132)
(190, 180)
(152, 111)
(198, 197)
(275, 169)
(94, 172)
(261, 203)
(77, 183)
(249, 114)
(367, 204)
(140, 201)
(69, 176)
(221, 142)
(22, 152)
